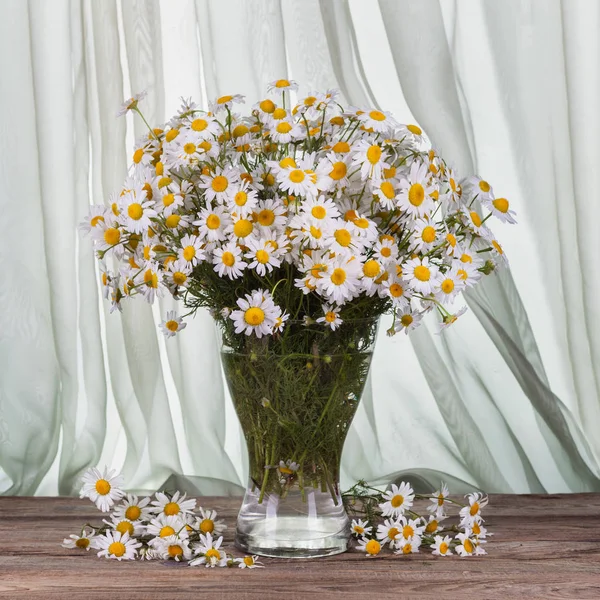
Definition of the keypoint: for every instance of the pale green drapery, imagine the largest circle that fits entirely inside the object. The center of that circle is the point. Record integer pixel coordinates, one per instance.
(507, 400)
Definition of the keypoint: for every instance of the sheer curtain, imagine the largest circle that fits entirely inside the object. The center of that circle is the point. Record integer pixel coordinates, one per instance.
(506, 400)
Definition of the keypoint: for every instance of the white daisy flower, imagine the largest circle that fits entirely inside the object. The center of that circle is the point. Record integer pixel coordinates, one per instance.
(243, 200)
(150, 282)
(226, 102)
(320, 209)
(454, 193)
(386, 249)
(371, 274)
(441, 545)
(397, 500)
(220, 185)
(212, 223)
(249, 562)
(386, 194)
(109, 238)
(207, 522)
(438, 500)
(421, 275)
(468, 544)
(410, 529)
(409, 546)
(102, 488)
(261, 255)
(178, 273)
(342, 238)
(204, 125)
(176, 505)
(257, 315)
(371, 158)
(163, 526)
(241, 227)
(123, 525)
(472, 512)
(280, 320)
(332, 172)
(97, 215)
(331, 317)
(84, 541)
(424, 236)
(360, 528)
(414, 197)
(186, 150)
(208, 552)
(284, 131)
(500, 208)
(475, 222)
(481, 188)
(297, 182)
(412, 132)
(369, 547)
(448, 285)
(117, 545)
(271, 213)
(133, 509)
(191, 249)
(407, 320)
(131, 103)
(168, 202)
(282, 85)
(289, 467)
(341, 282)
(172, 324)
(227, 260)
(498, 253)
(467, 268)
(173, 547)
(378, 121)
(365, 228)
(389, 532)
(449, 319)
(432, 525)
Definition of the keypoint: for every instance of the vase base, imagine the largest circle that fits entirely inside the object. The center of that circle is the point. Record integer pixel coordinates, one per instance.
(287, 543)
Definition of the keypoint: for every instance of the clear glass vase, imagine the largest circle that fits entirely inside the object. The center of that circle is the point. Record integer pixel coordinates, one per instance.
(295, 394)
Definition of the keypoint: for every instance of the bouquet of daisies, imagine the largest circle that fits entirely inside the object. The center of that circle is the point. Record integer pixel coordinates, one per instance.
(302, 210)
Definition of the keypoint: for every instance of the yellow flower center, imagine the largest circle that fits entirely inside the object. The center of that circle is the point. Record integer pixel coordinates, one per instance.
(338, 171)
(243, 228)
(341, 147)
(240, 198)
(172, 221)
(389, 173)
(262, 256)
(388, 189)
(414, 129)
(373, 547)
(462, 274)
(228, 259)
(189, 252)
(408, 531)
(117, 549)
(371, 268)
(428, 234)
(219, 183)
(316, 270)
(282, 83)
(279, 113)
(362, 223)
(451, 240)
(431, 526)
(171, 134)
(466, 258)
(199, 124)
(397, 500)
(416, 194)
(164, 182)
(484, 186)
(166, 531)
(239, 131)
(385, 252)
(318, 212)
(172, 325)
(133, 513)
(406, 321)
(266, 217)
(95, 220)
(82, 543)
(396, 290)
(171, 508)
(213, 221)
(112, 236)
(267, 106)
(501, 204)
(393, 533)
(175, 551)
(102, 487)
(377, 115)
(224, 99)
(337, 120)
(189, 148)
(330, 317)
(475, 218)
(283, 127)
(179, 278)
(297, 176)
(358, 529)
(254, 316)
(207, 526)
(422, 273)
(248, 561)
(407, 549)
(343, 237)
(468, 546)
(440, 499)
(497, 246)
(350, 215)
(138, 155)
(374, 154)
(338, 276)
(476, 528)
(168, 199)
(125, 527)
(474, 509)
(213, 553)
(135, 211)
(447, 286)
(443, 548)
(151, 278)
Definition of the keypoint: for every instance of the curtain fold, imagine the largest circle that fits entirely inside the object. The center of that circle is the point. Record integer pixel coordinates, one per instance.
(508, 400)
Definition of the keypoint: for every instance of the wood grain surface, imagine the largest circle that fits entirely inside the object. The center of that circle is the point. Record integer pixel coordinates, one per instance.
(543, 547)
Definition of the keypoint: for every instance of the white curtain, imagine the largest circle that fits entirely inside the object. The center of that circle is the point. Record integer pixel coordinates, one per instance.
(507, 400)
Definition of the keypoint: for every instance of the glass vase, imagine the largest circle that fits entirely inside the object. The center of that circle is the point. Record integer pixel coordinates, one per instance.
(295, 394)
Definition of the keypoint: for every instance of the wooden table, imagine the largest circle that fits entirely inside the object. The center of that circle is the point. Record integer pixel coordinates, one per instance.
(543, 547)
